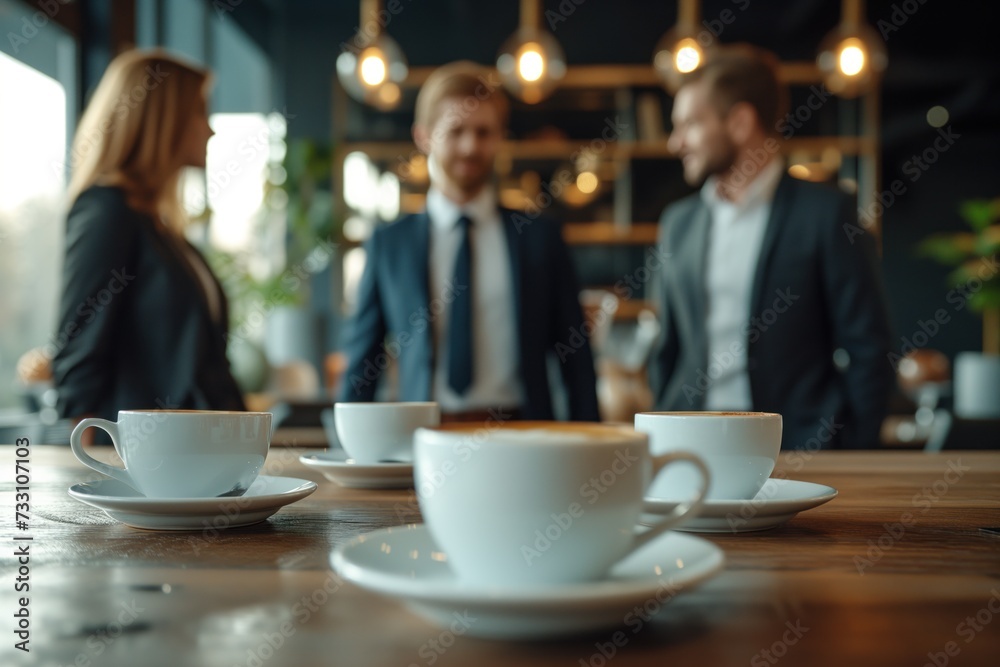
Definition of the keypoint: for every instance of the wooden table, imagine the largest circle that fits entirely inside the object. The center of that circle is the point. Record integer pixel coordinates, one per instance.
(845, 584)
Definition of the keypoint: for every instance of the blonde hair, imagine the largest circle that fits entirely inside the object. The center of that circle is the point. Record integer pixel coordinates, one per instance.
(132, 130)
(463, 79)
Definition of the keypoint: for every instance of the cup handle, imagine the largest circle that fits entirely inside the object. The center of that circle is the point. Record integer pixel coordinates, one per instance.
(689, 508)
(86, 459)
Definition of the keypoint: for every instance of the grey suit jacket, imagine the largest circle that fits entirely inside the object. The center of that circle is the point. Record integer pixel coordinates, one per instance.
(817, 297)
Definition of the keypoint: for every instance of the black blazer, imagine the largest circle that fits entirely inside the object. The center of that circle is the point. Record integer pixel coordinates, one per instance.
(134, 325)
(816, 289)
(393, 293)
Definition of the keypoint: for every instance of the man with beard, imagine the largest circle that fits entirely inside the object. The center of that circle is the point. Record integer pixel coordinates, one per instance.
(772, 302)
(466, 297)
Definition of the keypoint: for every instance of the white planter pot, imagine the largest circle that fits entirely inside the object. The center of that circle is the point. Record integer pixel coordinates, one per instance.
(977, 385)
(292, 334)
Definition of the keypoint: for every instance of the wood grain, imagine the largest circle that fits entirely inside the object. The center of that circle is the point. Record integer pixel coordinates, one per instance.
(105, 594)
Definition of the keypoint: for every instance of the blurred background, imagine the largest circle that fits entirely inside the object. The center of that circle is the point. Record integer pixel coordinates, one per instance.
(312, 150)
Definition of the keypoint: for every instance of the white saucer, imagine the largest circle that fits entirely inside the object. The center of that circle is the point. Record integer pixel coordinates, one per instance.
(404, 562)
(264, 497)
(337, 467)
(778, 501)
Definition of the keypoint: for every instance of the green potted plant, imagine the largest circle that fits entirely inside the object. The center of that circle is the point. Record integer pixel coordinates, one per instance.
(268, 303)
(976, 281)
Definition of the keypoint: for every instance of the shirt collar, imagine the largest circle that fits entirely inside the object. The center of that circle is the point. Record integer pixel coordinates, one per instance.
(761, 188)
(444, 213)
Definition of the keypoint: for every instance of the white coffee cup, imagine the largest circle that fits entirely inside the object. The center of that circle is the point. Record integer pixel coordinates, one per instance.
(740, 449)
(183, 453)
(375, 432)
(533, 503)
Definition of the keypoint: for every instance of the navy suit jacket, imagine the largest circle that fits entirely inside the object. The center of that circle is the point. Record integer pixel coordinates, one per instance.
(816, 290)
(392, 317)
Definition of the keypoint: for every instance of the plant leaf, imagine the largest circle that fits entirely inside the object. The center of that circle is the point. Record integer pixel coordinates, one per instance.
(988, 241)
(979, 213)
(950, 249)
(979, 271)
(988, 298)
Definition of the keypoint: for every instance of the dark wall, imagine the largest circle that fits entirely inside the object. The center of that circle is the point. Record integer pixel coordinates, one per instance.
(942, 54)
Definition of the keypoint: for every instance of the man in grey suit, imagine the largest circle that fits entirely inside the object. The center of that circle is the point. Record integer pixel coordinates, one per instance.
(769, 304)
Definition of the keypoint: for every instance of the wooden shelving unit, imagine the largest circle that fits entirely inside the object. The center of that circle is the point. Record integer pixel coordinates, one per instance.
(610, 233)
(547, 149)
(620, 155)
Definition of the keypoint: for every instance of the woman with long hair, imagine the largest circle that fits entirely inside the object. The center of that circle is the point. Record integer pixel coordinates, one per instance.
(142, 320)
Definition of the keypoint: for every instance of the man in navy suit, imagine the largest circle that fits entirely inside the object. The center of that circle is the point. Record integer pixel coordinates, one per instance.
(772, 301)
(468, 298)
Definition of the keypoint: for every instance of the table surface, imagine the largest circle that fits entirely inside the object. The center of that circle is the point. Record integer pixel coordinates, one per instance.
(857, 588)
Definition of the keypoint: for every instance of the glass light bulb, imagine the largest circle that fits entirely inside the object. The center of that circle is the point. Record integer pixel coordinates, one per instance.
(374, 74)
(677, 54)
(852, 58)
(373, 69)
(688, 56)
(586, 181)
(531, 63)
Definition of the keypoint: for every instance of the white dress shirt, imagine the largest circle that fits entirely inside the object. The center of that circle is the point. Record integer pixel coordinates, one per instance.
(737, 229)
(496, 379)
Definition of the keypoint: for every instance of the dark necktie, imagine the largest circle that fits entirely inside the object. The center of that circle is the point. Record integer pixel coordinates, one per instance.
(460, 321)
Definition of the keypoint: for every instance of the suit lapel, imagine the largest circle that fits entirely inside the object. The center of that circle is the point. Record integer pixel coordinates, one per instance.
(420, 271)
(694, 254)
(780, 206)
(417, 276)
(514, 251)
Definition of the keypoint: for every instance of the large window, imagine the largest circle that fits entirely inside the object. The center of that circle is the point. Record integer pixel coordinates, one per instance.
(34, 116)
(38, 114)
(237, 188)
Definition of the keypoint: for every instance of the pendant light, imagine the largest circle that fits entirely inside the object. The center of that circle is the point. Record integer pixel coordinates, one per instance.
(372, 67)
(531, 62)
(852, 55)
(680, 51)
